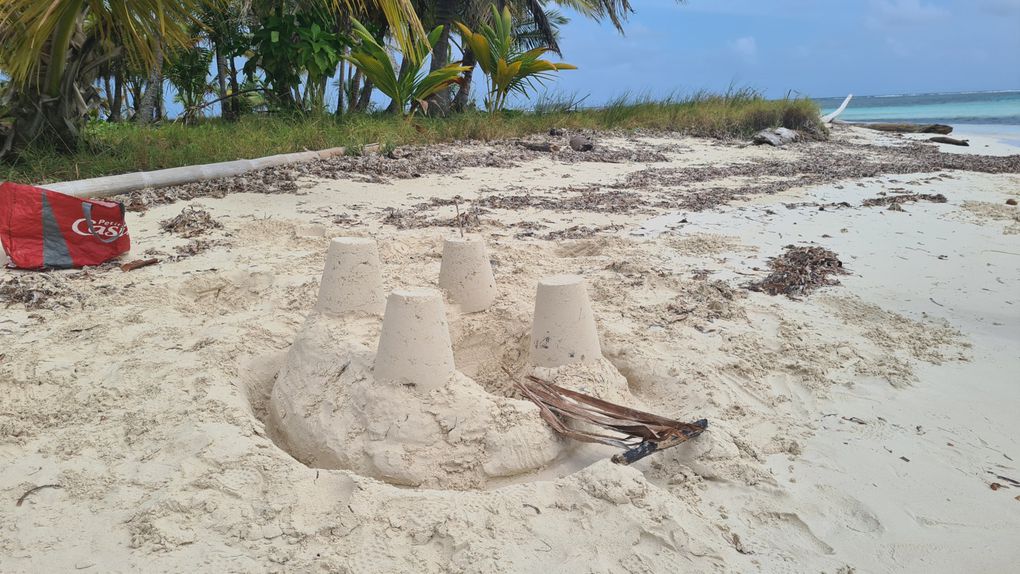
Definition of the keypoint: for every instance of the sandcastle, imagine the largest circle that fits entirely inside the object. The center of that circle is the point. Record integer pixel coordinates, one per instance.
(466, 274)
(563, 329)
(402, 412)
(565, 342)
(351, 278)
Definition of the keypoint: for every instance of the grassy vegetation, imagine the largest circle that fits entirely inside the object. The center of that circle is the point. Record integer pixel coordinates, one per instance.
(121, 148)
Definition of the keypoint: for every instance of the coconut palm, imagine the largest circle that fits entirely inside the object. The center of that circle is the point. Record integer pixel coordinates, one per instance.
(507, 66)
(410, 85)
(537, 19)
(51, 51)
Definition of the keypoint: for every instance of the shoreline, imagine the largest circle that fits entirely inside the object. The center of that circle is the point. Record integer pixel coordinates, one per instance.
(806, 396)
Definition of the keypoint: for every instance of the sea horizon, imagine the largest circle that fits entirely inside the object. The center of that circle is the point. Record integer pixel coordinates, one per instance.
(998, 108)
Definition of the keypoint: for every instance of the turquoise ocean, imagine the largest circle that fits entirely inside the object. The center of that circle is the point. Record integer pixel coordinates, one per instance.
(974, 112)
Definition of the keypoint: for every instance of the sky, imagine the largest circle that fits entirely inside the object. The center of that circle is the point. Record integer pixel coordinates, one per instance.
(815, 48)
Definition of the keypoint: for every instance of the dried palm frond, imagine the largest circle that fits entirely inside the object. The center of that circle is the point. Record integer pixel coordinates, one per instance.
(642, 433)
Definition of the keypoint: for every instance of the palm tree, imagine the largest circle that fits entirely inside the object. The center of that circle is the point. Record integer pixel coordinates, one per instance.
(535, 17)
(52, 51)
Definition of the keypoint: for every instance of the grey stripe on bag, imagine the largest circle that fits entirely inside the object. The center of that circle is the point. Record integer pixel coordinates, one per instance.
(55, 251)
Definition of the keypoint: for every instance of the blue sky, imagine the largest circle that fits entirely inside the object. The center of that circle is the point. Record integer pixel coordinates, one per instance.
(812, 47)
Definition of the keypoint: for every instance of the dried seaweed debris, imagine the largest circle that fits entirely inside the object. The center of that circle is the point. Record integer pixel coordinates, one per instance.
(799, 271)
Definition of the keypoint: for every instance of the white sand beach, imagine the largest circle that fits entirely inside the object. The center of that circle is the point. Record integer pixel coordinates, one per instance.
(867, 426)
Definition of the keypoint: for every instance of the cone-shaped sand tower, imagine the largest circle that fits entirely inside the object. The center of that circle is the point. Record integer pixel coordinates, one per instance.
(466, 273)
(351, 278)
(414, 347)
(563, 330)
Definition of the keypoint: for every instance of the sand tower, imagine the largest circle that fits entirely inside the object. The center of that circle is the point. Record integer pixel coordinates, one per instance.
(414, 347)
(466, 273)
(351, 278)
(563, 330)
(565, 342)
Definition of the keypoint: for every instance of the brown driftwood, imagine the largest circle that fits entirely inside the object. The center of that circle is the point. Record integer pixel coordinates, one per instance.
(547, 147)
(138, 264)
(950, 141)
(777, 137)
(639, 432)
(910, 128)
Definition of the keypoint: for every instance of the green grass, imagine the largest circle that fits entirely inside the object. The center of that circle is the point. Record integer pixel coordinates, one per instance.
(120, 148)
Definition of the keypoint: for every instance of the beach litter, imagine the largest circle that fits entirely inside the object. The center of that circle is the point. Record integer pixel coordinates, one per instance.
(642, 433)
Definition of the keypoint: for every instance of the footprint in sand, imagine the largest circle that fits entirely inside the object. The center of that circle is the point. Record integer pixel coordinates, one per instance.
(849, 511)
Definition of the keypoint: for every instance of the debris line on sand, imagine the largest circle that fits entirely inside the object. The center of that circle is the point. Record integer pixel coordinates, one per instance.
(799, 271)
(890, 199)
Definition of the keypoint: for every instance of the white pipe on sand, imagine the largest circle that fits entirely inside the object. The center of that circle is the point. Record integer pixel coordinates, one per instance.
(125, 183)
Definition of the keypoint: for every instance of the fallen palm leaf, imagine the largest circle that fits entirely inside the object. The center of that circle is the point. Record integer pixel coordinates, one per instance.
(643, 433)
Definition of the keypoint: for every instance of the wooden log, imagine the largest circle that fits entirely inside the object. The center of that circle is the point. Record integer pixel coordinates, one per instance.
(950, 141)
(547, 147)
(138, 264)
(910, 128)
(775, 137)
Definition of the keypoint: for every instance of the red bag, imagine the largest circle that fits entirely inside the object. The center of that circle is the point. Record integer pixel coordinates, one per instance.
(42, 228)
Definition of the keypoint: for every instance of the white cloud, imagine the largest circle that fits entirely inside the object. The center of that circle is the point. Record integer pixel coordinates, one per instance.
(890, 13)
(745, 47)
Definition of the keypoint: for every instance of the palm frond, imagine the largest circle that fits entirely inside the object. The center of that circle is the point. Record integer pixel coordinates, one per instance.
(639, 432)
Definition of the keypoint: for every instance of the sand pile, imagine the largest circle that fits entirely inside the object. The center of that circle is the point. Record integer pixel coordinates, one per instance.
(405, 414)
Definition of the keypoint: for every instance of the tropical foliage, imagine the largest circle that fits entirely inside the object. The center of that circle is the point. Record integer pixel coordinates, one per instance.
(52, 52)
(295, 49)
(508, 67)
(66, 65)
(410, 85)
(187, 71)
